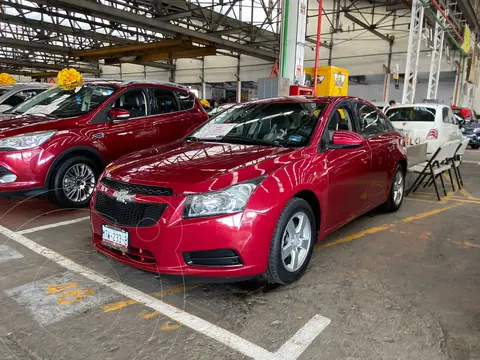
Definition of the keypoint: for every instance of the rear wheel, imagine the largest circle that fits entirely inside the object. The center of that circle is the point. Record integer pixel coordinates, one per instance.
(397, 190)
(73, 182)
(292, 243)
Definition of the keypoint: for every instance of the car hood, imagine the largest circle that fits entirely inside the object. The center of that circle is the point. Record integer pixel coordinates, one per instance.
(191, 167)
(14, 124)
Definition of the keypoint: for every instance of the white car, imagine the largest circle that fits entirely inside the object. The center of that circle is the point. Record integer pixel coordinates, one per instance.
(434, 123)
(13, 95)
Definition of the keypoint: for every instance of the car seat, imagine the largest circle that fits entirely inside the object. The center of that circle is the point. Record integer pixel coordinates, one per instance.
(279, 127)
(134, 103)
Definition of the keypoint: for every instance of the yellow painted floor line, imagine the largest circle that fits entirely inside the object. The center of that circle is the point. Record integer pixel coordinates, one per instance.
(176, 289)
(377, 229)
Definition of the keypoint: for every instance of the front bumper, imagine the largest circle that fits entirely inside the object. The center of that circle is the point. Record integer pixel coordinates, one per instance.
(29, 167)
(174, 245)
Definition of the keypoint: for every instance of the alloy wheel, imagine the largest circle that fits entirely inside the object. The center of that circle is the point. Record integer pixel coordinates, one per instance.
(398, 188)
(296, 241)
(78, 182)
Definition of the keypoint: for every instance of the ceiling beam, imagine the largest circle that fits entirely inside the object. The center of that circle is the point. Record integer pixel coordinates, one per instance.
(183, 54)
(42, 25)
(367, 27)
(116, 51)
(40, 65)
(108, 12)
(470, 14)
(154, 64)
(310, 39)
(34, 46)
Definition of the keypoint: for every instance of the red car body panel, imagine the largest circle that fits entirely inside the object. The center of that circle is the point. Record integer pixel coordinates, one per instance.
(345, 182)
(33, 167)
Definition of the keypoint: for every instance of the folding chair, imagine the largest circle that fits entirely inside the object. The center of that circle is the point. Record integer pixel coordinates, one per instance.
(457, 160)
(455, 145)
(430, 170)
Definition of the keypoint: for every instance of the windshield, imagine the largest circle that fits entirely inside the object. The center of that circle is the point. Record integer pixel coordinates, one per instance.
(220, 109)
(271, 124)
(61, 103)
(416, 113)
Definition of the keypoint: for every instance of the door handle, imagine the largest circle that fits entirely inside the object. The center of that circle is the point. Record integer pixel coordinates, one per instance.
(98, 135)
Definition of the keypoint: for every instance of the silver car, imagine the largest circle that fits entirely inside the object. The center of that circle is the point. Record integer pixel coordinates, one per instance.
(13, 95)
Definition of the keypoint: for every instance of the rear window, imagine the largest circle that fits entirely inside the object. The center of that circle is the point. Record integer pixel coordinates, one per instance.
(417, 113)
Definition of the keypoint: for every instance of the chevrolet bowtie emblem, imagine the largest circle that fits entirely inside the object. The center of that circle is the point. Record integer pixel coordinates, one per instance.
(123, 196)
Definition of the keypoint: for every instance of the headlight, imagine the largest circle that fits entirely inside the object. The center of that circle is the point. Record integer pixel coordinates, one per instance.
(25, 141)
(227, 201)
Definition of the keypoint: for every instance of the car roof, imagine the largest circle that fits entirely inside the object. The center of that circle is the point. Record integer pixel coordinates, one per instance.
(301, 99)
(154, 82)
(424, 105)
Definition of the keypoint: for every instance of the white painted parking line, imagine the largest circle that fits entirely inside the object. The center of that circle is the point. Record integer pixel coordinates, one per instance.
(471, 162)
(7, 254)
(53, 225)
(299, 342)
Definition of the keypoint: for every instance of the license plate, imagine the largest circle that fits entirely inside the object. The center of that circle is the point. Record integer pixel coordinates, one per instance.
(115, 238)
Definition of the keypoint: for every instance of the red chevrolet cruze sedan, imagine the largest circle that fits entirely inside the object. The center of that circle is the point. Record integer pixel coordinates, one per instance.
(58, 142)
(250, 191)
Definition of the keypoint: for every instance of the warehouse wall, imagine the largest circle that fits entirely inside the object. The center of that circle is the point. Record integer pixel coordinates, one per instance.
(374, 91)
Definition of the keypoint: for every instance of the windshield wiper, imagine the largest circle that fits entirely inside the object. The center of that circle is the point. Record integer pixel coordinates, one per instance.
(46, 115)
(249, 141)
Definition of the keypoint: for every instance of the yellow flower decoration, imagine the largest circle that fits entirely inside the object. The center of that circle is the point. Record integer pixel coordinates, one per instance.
(69, 79)
(7, 79)
(205, 103)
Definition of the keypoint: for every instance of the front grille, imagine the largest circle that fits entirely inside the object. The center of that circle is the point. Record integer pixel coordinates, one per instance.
(134, 214)
(137, 189)
(221, 257)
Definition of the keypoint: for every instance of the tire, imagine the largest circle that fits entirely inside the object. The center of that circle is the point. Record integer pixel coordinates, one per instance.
(60, 186)
(475, 147)
(393, 204)
(277, 268)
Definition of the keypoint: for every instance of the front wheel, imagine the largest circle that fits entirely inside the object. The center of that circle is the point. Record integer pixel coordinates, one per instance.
(475, 147)
(397, 191)
(73, 182)
(292, 243)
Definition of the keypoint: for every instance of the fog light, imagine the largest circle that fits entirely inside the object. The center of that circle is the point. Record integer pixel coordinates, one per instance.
(9, 178)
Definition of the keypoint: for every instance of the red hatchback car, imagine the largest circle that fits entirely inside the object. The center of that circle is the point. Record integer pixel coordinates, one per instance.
(60, 141)
(250, 191)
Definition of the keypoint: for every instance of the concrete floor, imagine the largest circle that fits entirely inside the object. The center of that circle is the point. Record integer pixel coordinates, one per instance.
(396, 286)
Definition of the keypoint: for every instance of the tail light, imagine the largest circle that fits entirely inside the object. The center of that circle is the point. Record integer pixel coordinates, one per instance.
(432, 134)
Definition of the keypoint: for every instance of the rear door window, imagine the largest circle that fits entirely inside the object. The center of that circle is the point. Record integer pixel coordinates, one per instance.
(417, 113)
(165, 101)
(186, 100)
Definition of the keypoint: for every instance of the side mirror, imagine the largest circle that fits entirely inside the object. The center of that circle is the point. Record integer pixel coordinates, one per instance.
(118, 114)
(346, 140)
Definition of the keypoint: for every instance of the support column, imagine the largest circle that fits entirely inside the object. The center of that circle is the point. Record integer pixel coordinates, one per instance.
(461, 98)
(172, 71)
(388, 72)
(436, 58)
(294, 17)
(413, 53)
(202, 78)
(239, 82)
